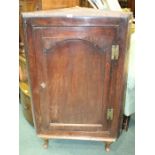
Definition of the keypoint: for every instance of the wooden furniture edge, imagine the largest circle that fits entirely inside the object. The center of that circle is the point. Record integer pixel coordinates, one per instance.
(76, 137)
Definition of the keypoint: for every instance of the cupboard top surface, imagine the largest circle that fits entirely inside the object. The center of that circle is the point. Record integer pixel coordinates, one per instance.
(76, 12)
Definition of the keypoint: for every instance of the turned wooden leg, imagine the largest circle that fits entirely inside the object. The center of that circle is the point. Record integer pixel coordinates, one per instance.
(126, 120)
(45, 145)
(107, 146)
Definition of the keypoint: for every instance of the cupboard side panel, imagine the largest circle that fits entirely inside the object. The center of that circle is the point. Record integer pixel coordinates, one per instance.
(32, 74)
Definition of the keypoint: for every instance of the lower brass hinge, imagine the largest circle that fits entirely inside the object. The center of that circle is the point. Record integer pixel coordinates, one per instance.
(110, 114)
(115, 52)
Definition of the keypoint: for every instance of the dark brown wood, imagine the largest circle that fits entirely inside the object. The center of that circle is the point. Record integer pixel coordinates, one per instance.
(107, 146)
(126, 121)
(72, 76)
(45, 145)
(27, 6)
(131, 5)
(85, 3)
(123, 3)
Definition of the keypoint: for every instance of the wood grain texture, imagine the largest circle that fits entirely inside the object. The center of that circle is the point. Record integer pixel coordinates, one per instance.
(55, 4)
(73, 79)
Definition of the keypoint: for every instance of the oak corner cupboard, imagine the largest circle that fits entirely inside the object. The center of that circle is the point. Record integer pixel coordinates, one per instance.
(77, 61)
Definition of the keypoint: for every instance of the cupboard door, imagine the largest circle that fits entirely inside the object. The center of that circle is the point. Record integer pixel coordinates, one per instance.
(73, 74)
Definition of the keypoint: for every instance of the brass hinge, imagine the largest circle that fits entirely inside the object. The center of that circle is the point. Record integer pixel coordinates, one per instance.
(110, 114)
(115, 52)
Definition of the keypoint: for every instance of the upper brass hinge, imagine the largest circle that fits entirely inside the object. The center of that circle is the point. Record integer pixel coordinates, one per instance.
(110, 114)
(115, 52)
